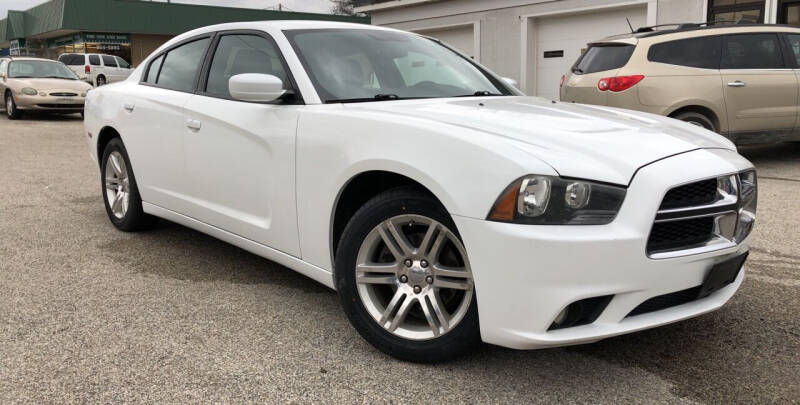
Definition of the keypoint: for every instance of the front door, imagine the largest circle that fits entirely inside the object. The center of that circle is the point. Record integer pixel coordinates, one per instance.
(761, 90)
(240, 156)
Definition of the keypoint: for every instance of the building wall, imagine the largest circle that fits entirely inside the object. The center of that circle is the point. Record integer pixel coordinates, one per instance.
(504, 29)
(143, 45)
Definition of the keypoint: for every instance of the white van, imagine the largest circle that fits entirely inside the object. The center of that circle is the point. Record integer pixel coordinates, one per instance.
(97, 69)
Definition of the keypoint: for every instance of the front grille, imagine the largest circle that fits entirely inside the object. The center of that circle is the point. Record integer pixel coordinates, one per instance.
(676, 234)
(64, 94)
(667, 301)
(62, 106)
(691, 195)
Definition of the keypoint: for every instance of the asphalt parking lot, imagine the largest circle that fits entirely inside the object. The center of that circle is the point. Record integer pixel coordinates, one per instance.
(90, 314)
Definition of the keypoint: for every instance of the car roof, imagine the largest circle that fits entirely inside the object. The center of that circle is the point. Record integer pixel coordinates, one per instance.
(698, 30)
(18, 58)
(279, 25)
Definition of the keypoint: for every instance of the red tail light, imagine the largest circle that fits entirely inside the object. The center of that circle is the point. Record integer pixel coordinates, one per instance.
(619, 83)
(88, 69)
(563, 78)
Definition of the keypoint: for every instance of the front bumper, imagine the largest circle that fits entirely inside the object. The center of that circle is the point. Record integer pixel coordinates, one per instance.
(526, 274)
(50, 103)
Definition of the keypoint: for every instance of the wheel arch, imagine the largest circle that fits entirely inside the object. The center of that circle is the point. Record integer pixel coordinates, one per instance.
(105, 136)
(359, 189)
(700, 109)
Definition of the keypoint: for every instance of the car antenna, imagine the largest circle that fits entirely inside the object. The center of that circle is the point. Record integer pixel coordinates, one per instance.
(629, 25)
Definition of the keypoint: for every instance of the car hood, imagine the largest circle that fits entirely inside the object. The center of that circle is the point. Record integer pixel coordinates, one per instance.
(50, 84)
(581, 141)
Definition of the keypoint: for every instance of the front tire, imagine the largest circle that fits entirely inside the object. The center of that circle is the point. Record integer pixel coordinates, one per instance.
(120, 192)
(404, 279)
(12, 112)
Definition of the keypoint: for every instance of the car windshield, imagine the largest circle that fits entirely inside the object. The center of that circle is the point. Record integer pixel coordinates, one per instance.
(364, 65)
(40, 69)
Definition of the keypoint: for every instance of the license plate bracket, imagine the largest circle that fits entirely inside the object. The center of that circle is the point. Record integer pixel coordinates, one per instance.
(722, 274)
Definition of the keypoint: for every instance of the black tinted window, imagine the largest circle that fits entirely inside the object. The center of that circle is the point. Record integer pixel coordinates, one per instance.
(794, 44)
(752, 51)
(94, 60)
(181, 64)
(237, 54)
(703, 52)
(599, 58)
(109, 61)
(152, 72)
(72, 59)
(122, 63)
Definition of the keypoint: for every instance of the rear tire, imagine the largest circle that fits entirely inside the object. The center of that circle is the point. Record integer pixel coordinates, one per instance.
(697, 119)
(12, 112)
(100, 81)
(120, 191)
(447, 325)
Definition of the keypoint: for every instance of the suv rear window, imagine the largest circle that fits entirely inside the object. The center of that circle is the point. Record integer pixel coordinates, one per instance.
(702, 52)
(599, 58)
(72, 59)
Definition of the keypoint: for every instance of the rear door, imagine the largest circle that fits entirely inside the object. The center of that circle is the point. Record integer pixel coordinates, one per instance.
(793, 43)
(761, 91)
(600, 60)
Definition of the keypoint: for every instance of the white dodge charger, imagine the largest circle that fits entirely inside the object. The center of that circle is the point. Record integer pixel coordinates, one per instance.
(444, 206)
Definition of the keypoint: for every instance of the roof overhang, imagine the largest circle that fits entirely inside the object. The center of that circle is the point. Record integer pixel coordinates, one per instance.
(391, 4)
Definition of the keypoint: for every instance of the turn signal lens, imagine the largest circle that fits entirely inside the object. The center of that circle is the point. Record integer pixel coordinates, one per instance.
(619, 83)
(504, 207)
(748, 190)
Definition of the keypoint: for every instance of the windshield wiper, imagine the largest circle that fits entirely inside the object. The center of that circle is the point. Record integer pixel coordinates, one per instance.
(481, 93)
(58, 77)
(377, 97)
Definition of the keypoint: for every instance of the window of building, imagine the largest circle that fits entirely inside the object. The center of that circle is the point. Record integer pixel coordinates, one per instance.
(180, 65)
(237, 54)
(752, 51)
(701, 52)
(733, 11)
(789, 12)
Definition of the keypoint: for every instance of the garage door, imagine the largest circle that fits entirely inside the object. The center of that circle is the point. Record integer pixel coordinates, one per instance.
(461, 38)
(560, 40)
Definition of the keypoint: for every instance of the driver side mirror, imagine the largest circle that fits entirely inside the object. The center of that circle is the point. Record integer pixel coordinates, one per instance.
(255, 87)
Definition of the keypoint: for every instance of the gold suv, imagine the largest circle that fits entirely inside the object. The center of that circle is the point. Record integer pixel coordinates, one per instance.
(739, 81)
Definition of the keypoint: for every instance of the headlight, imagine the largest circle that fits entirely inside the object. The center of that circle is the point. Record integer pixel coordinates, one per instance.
(548, 200)
(29, 91)
(748, 194)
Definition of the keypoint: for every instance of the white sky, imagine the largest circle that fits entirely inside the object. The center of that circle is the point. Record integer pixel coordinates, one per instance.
(313, 6)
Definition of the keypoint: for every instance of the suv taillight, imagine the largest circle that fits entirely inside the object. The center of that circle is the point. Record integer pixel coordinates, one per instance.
(619, 83)
(563, 78)
(88, 69)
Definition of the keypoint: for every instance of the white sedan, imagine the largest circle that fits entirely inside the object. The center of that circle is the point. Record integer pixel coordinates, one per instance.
(444, 206)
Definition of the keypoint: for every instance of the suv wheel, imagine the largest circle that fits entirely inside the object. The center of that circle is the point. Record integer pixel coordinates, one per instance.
(404, 279)
(696, 119)
(12, 112)
(101, 81)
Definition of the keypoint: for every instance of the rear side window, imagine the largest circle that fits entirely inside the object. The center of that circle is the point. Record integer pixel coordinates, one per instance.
(72, 59)
(152, 72)
(94, 60)
(180, 65)
(702, 52)
(109, 61)
(752, 51)
(599, 58)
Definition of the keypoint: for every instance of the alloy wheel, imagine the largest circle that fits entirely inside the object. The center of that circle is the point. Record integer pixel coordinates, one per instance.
(117, 184)
(413, 277)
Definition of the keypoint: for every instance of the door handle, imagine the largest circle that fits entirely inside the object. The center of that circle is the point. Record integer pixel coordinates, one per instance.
(737, 83)
(128, 106)
(194, 125)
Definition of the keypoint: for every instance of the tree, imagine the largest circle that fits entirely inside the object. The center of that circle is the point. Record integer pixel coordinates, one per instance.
(343, 7)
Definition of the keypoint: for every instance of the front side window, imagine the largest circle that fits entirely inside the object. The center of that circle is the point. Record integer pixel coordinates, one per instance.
(701, 52)
(237, 54)
(353, 65)
(752, 51)
(39, 69)
(180, 65)
(3, 66)
(122, 63)
(599, 58)
(94, 60)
